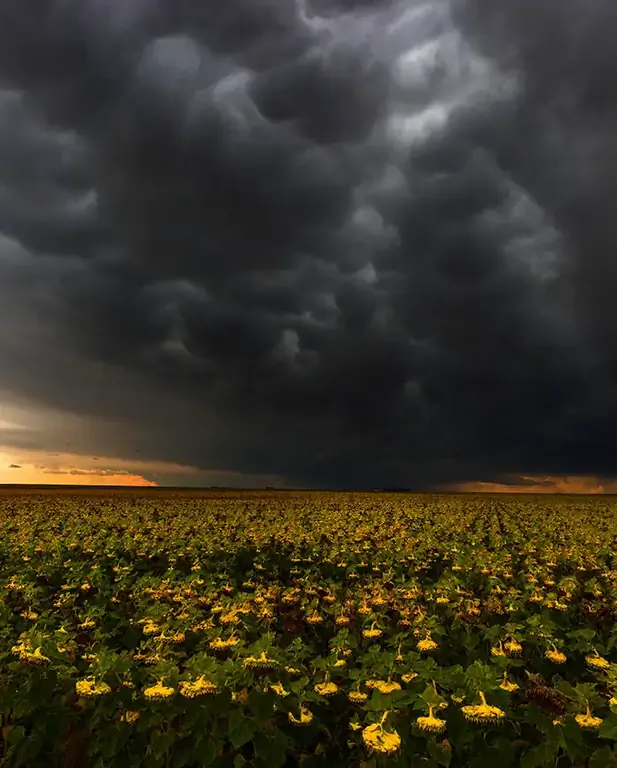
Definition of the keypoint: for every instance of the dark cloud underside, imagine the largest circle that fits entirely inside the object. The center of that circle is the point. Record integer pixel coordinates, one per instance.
(341, 242)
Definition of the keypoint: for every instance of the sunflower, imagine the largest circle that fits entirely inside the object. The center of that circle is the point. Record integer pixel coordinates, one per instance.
(130, 716)
(557, 657)
(597, 662)
(36, 659)
(379, 740)
(513, 647)
(159, 692)
(357, 697)
(306, 717)
(387, 687)
(497, 650)
(87, 624)
(326, 689)
(261, 664)
(426, 645)
(372, 633)
(587, 721)
(293, 671)
(200, 687)
(508, 686)
(483, 714)
(431, 724)
(90, 689)
(219, 644)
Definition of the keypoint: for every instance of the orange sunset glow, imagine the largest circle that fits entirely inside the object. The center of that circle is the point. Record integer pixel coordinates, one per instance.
(30, 475)
(32, 467)
(541, 484)
(43, 468)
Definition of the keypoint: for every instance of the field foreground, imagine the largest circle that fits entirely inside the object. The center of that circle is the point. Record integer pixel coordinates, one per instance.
(283, 629)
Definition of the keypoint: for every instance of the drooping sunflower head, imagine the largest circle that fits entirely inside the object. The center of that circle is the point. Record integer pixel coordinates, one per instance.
(159, 692)
(305, 717)
(327, 689)
(388, 687)
(200, 687)
(260, 664)
(426, 645)
(597, 662)
(89, 688)
(379, 740)
(513, 647)
(357, 697)
(508, 686)
(483, 713)
(497, 650)
(373, 633)
(431, 724)
(587, 721)
(557, 657)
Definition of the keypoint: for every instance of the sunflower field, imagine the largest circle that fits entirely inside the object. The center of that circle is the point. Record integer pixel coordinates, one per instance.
(279, 629)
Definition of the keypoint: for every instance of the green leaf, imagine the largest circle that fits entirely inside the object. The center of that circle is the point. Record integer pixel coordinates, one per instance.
(261, 704)
(272, 749)
(537, 757)
(208, 751)
(15, 735)
(113, 742)
(608, 729)
(405, 701)
(243, 732)
(603, 757)
(587, 634)
(575, 745)
(585, 691)
(378, 702)
(441, 753)
(161, 741)
(236, 718)
(218, 705)
(431, 697)
(184, 754)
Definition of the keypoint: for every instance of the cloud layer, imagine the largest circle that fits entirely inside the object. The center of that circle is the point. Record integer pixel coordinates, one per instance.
(346, 243)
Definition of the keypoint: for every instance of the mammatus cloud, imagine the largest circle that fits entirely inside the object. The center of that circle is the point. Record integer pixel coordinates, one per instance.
(345, 243)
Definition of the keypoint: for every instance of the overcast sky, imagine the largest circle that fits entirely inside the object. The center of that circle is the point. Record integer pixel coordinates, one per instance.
(309, 243)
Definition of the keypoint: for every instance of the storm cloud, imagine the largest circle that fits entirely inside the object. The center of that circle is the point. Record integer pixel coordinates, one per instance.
(346, 243)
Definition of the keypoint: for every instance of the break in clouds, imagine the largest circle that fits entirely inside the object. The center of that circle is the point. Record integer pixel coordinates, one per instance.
(347, 243)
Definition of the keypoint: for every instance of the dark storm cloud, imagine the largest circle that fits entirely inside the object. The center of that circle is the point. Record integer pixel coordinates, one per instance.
(343, 242)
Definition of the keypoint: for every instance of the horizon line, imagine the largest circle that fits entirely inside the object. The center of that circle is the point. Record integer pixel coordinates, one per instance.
(189, 488)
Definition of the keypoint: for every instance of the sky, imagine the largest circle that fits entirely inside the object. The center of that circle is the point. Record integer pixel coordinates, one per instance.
(309, 243)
